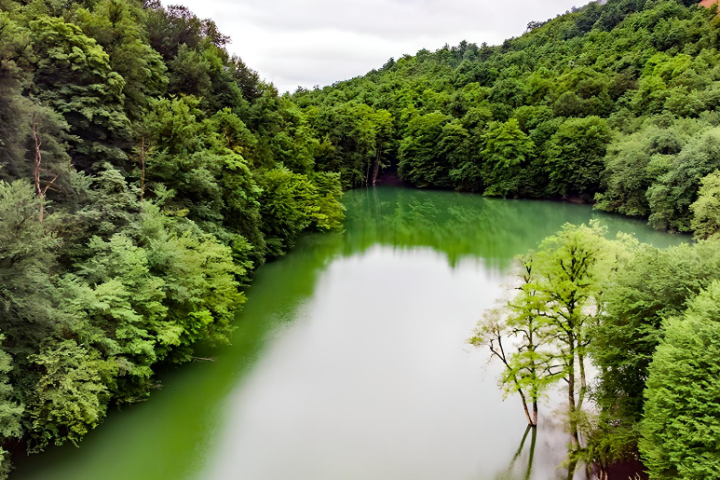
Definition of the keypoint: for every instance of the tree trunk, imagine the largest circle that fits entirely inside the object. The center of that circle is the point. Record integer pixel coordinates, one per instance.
(377, 167)
(572, 406)
(142, 168)
(525, 409)
(36, 170)
(583, 381)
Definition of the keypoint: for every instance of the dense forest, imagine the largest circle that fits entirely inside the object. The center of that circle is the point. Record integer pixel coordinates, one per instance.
(613, 104)
(145, 173)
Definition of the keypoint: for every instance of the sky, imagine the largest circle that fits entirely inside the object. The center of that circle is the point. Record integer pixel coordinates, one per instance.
(318, 42)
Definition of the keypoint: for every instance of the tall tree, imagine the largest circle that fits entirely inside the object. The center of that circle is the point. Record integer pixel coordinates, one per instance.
(681, 426)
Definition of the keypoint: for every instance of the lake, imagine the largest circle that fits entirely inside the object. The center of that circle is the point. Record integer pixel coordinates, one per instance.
(349, 360)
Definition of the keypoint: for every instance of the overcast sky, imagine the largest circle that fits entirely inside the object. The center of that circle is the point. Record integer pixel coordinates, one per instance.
(318, 42)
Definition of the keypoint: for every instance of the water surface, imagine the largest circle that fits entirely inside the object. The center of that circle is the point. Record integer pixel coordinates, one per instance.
(349, 360)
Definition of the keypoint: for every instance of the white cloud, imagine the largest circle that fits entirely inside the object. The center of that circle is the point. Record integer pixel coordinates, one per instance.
(318, 42)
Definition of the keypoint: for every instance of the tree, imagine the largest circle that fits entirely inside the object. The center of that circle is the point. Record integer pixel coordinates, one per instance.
(73, 75)
(649, 286)
(632, 165)
(10, 410)
(676, 188)
(706, 210)
(573, 268)
(27, 259)
(508, 150)
(681, 427)
(552, 315)
(528, 369)
(70, 397)
(118, 26)
(575, 156)
(291, 203)
(50, 160)
(419, 163)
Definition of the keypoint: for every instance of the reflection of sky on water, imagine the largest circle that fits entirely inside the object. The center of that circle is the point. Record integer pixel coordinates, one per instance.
(382, 386)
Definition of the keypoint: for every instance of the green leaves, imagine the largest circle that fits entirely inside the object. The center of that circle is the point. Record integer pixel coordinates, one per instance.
(672, 195)
(546, 326)
(70, 398)
(706, 210)
(681, 428)
(508, 151)
(575, 156)
(429, 150)
(650, 286)
(73, 75)
(156, 209)
(290, 203)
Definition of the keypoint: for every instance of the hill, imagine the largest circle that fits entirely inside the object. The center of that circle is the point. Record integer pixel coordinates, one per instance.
(613, 104)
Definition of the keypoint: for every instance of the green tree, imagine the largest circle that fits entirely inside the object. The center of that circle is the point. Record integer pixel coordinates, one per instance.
(74, 76)
(292, 202)
(676, 188)
(680, 428)
(706, 210)
(632, 164)
(572, 271)
(418, 163)
(10, 410)
(649, 286)
(528, 368)
(508, 150)
(27, 259)
(575, 156)
(118, 26)
(70, 398)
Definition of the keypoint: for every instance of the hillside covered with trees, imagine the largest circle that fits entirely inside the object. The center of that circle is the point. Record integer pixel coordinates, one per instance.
(614, 104)
(146, 173)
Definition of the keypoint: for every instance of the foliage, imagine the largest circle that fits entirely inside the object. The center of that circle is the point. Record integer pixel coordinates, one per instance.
(145, 174)
(575, 156)
(677, 189)
(650, 286)
(706, 210)
(680, 427)
(551, 317)
(610, 103)
(507, 152)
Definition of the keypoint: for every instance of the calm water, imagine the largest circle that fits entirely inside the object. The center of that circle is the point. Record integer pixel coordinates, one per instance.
(349, 360)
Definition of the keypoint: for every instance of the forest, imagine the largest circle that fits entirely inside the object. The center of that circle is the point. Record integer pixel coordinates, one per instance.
(146, 173)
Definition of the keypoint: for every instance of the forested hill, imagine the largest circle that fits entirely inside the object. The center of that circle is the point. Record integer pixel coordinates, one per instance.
(611, 103)
(144, 174)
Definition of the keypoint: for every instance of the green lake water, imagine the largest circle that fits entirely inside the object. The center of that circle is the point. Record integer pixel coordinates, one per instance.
(349, 360)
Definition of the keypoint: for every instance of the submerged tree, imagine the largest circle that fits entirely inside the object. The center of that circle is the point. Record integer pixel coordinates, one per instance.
(528, 368)
(574, 268)
(551, 317)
